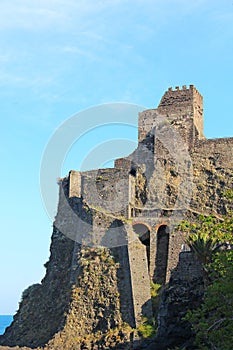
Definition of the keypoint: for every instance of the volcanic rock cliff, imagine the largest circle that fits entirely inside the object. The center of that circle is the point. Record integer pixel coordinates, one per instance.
(114, 234)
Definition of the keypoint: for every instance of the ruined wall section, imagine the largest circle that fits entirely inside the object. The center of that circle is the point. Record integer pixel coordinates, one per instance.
(75, 184)
(122, 163)
(109, 230)
(104, 189)
(146, 122)
(213, 175)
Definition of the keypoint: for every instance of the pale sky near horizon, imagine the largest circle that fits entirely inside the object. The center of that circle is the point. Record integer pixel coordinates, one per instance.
(59, 57)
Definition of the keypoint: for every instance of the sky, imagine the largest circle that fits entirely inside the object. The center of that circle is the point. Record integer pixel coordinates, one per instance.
(58, 58)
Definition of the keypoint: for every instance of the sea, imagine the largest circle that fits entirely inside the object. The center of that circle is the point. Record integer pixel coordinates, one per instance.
(5, 321)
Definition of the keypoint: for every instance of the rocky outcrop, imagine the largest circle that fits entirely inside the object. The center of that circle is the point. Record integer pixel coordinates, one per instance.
(184, 292)
(93, 320)
(82, 313)
(42, 308)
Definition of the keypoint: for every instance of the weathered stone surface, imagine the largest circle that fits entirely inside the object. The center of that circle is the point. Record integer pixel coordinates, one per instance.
(184, 292)
(42, 308)
(175, 173)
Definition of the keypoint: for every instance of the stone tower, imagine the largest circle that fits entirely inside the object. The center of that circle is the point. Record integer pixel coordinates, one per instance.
(183, 108)
(175, 173)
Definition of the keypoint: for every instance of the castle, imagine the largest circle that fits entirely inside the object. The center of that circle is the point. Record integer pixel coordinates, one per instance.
(175, 173)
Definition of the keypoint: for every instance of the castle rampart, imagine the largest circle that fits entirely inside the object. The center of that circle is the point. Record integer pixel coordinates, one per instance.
(175, 173)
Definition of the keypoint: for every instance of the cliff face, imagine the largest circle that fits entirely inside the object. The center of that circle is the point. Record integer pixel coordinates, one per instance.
(42, 308)
(78, 313)
(93, 319)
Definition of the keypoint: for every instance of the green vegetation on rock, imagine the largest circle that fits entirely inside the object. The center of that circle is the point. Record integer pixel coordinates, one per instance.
(211, 241)
(155, 290)
(147, 328)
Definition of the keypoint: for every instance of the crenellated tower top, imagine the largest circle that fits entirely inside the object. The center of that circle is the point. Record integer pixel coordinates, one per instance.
(183, 107)
(184, 100)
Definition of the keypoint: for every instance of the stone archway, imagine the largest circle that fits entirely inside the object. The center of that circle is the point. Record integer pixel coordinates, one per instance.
(161, 259)
(143, 232)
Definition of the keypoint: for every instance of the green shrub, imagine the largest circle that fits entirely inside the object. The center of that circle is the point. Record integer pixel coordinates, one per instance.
(147, 328)
(155, 294)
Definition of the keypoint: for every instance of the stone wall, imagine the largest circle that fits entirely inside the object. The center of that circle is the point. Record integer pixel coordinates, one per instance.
(212, 175)
(106, 189)
(174, 174)
(140, 281)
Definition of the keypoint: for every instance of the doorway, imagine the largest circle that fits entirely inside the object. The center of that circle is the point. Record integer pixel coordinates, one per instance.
(144, 236)
(161, 259)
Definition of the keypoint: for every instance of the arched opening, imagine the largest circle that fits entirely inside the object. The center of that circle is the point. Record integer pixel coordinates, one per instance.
(161, 255)
(144, 236)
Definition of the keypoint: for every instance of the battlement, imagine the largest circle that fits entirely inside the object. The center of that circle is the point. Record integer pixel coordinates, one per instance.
(184, 87)
(181, 97)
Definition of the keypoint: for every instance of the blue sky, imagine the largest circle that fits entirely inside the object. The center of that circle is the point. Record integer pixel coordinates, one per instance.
(60, 57)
